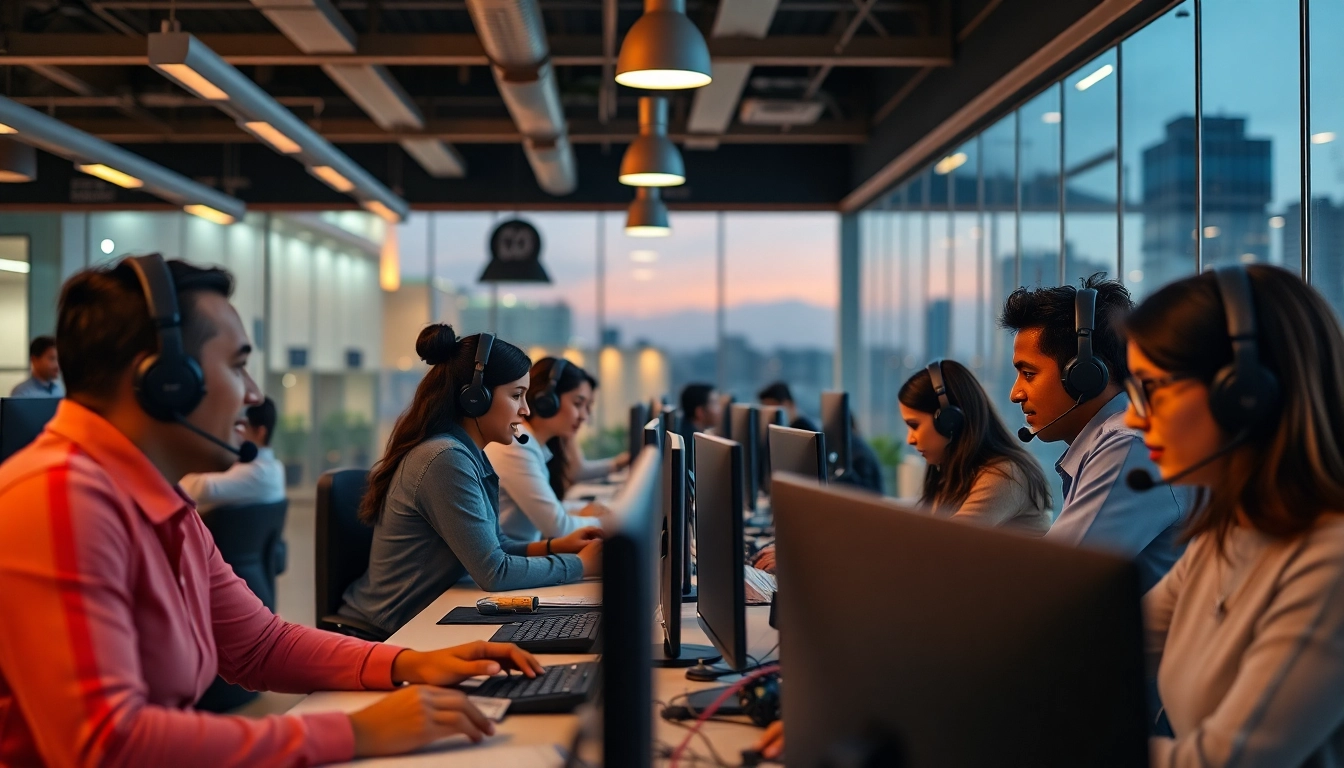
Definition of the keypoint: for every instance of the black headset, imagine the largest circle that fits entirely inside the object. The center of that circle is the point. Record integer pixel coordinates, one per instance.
(169, 383)
(1086, 375)
(474, 399)
(546, 402)
(949, 419)
(1244, 394)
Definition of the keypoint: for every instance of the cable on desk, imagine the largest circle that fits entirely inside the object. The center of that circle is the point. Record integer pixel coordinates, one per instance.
(718, 702)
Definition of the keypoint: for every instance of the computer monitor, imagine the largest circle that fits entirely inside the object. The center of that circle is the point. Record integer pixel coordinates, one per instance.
(835, 425)
(675, 559)
(639, 416)
(996, 649)
(22, 420)
(768, 415)
(653, 434)
(798, 451)
(671, 419)
(628, 564)
(719, 548)
(746, 433)
(726, 420)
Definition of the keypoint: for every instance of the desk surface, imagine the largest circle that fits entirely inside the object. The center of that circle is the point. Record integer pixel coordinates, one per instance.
(516, 731)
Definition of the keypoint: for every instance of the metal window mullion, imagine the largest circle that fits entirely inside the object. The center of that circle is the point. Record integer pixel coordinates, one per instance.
(1199, 137)
(981, 298)
(1063, 207)
(1119, 166)
(1017, 199)
(1304, 27)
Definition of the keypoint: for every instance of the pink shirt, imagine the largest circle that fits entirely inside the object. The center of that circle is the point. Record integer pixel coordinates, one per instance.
(116, 612)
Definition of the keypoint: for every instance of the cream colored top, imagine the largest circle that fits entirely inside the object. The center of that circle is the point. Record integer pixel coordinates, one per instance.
(999, 499)
(1251, 650)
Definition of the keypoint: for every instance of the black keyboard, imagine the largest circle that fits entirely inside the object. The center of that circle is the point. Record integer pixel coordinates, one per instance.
(560, 689)
(576, 633)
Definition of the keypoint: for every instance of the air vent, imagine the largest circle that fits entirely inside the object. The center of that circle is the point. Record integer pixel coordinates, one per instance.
(779, 112)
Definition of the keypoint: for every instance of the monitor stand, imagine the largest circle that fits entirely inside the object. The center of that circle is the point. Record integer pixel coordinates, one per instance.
(691, 655)
(706, 673)
(699, 701)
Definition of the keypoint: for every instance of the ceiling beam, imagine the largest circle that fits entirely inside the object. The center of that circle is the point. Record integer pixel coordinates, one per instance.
(451, 50)
(463, 131)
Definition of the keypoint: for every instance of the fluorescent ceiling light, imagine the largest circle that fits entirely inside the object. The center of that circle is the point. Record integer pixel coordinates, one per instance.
(382, 211)
(208, 213)
(332, 177)
(110, 175)
(950, 163)
(1276, 222)
(6, 129)
(1324, 137)
(1094, 78)
(10, 265)
(269, 134)
(192, 80)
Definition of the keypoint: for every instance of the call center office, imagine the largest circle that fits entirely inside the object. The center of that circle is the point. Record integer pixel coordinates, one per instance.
(1093, 375)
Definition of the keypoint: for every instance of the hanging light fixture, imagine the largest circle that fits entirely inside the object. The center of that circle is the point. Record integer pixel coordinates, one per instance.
(652, 160)
(18, 162)
(647, 216)
(663, 51)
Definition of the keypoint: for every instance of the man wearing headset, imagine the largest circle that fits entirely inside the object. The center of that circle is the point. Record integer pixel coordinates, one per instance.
(1070, 359)
(119, 610)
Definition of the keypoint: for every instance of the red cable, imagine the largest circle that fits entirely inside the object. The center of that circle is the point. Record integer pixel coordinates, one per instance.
(712, 708)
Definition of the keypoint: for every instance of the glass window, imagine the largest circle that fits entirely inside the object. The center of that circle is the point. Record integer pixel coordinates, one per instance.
(1039, 137)
(1327, 157)
(14, 339)
(1091, 226)
(1157, 68)
(998, 164)
(962, 171)
(1252, 130)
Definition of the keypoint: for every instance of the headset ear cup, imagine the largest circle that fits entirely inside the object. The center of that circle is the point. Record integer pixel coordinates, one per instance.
(546, 405)
(474, 401)
(949, 421)
(167, 388)
(1243, 400)
(1085, 379)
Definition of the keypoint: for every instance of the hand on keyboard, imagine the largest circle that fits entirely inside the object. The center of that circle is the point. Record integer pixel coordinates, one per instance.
(413, 717)
(449, 666)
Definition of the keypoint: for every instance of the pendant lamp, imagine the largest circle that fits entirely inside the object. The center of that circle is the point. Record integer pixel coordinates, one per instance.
(647, 216)
(663, 51)
(18, 162)
(652, 160)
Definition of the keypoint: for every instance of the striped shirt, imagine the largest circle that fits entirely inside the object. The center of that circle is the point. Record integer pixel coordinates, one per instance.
(119, 612)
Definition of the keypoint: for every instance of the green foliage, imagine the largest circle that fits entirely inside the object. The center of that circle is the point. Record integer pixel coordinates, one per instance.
(291, 437)
(889, 451)
(606, 442)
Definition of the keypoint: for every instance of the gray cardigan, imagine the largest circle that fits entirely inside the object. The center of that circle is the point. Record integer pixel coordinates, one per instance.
(440, 522)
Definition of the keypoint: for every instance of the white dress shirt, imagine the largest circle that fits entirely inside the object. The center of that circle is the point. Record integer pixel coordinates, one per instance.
(260, 481)
(528, 507)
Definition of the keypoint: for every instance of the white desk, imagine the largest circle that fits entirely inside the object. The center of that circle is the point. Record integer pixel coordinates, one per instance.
(423, 633)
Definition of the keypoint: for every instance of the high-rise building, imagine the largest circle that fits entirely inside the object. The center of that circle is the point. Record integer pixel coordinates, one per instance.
(1327, 239)
(1237, 191)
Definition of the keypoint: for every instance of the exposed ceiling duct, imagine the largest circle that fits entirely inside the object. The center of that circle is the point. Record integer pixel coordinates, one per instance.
(514, 37)
(316, 26)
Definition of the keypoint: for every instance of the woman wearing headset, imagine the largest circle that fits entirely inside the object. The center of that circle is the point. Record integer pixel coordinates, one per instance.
(1238, 386)
(977, 473)
(533, 475)
(433, 499)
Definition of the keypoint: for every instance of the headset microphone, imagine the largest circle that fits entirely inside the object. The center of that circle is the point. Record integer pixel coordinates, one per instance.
(1141, 480)
(1027, 434)
(245, 452)
(521, 437)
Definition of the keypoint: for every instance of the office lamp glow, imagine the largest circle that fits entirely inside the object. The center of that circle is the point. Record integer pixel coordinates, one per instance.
(664, 50)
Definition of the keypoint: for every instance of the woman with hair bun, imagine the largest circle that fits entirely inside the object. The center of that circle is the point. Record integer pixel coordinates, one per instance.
(433, 498)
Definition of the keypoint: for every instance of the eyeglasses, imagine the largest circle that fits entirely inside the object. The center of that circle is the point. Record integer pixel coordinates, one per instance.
(1141, 391)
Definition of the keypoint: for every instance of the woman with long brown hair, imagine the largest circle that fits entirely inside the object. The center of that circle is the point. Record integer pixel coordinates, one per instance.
(1237, 382)
(976, 472)
(433, 499)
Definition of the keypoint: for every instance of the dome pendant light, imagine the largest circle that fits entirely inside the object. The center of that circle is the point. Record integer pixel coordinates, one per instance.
(663, 51)
(652, 160)
(647, 216)
(18, 162)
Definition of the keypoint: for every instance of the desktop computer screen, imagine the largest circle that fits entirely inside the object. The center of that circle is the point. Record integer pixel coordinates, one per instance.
(719, 546)
(835, 425)
(639, 416)
(726, 427)
(675, 562)
(653, 434)
(995, 649)
(671, 419)
(798, 451)
(767, 416)
(22, 420)
(745, 433)
(628, 567)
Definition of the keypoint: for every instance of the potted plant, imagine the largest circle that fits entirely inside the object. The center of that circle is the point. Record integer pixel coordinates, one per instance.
(291, 443)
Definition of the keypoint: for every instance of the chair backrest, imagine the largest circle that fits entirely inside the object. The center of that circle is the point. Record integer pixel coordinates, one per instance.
(343, 542)
(250, 538)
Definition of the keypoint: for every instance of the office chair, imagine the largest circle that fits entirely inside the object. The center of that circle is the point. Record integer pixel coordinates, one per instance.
(251, 539)
(343, 544)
